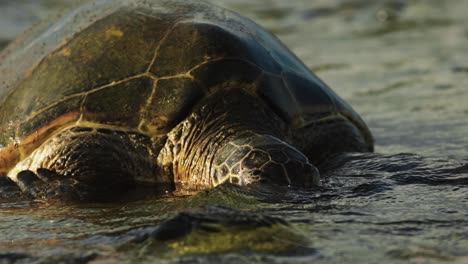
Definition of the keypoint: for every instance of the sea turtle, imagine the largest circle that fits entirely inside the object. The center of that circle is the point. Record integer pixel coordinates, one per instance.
(177, 93)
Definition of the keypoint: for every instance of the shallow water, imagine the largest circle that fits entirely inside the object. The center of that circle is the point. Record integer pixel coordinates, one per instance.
(401, 64)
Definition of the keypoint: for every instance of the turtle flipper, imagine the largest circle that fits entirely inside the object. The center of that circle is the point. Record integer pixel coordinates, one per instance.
(47, 184)
(8, 188)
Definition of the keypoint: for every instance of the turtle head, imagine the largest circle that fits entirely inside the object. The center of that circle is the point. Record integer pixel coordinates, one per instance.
(265, 159)
(233, 137)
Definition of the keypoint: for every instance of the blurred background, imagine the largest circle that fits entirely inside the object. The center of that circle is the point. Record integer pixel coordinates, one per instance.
(402, 64)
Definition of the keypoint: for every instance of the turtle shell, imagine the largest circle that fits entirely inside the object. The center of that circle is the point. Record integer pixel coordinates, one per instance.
(142, 65)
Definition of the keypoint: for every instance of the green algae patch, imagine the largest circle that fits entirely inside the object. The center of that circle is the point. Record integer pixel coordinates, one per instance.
(276, 239)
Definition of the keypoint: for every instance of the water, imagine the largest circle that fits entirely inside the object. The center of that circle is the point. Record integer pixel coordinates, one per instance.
(401, 64)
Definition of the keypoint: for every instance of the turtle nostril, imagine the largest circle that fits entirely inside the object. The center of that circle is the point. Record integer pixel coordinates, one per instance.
(256, 175)
(256, 172)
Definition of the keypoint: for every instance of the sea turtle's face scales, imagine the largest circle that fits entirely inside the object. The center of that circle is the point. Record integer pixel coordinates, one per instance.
(263, 158)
